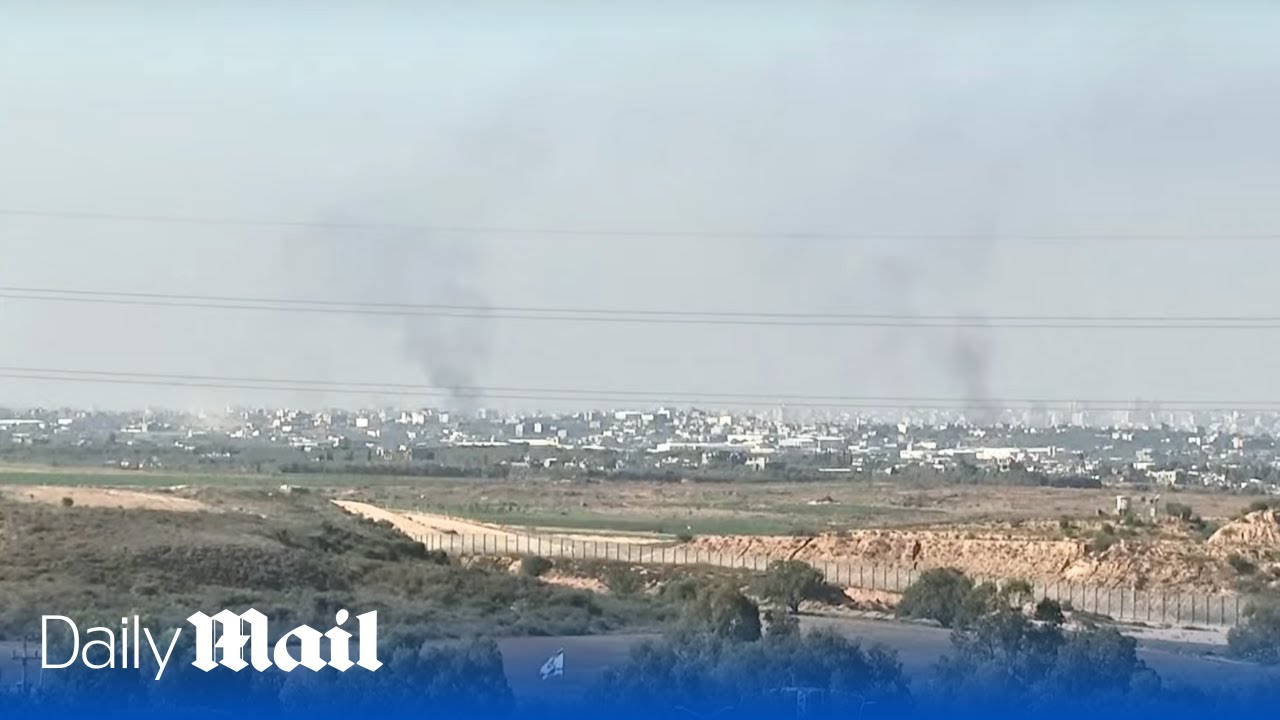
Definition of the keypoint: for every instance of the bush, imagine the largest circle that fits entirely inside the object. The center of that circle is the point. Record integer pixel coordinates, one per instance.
(722, 612)
(1019, 660)
(780, 625)
(1050, 611)
(937, 595)
(1257, 638)
(1102, 542)
(684, 537)
(699, 677)
(791, 582)
(622, 580)
(1179, 511)
(680, 591)
(1017, 593)
(1241, 565)
(1260, 506)
(535, 566)
(68, 501)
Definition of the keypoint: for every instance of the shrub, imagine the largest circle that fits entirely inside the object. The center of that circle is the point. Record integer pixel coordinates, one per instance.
(1260, 506)
(684, 537)
(780, 625)
(681, 591)
(1102, 542)
(1017, 593)
(68, 501)
(690, 676)
(622, 580)
(1050, 611)
(1241, 565)
(791, 582)
(437, 557)
(723, 612)
(1179, 511)
(1204, 528)
(937, 595)
(1021, 660)
(535, 566)
(1257, 638)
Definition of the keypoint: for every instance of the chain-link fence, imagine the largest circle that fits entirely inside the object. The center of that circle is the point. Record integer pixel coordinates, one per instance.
(1122, 604)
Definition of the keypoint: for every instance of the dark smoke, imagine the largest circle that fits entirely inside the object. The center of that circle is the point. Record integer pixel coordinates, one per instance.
(416, 269)
(452, 351)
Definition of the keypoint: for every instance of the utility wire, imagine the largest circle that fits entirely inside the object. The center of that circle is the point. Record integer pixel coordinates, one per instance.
(599, 395)
(532, 231)
(643, 316)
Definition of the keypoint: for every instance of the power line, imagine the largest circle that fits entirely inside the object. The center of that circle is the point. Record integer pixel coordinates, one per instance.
(643, 316)
(623, 396)
(657, 234)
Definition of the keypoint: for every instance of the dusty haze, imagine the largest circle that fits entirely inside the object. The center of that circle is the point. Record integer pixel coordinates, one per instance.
(1004, 120)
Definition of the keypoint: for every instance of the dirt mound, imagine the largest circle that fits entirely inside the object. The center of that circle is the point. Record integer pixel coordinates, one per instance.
(103, 497)
(1257, 529)
(1153, 564)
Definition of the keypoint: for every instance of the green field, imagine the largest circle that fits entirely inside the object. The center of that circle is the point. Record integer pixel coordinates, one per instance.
(698, 508)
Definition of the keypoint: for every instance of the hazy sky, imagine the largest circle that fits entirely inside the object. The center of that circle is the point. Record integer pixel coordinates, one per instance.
(1003, 119)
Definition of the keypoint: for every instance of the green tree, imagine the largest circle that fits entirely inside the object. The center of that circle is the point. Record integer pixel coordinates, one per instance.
(938, 595)
(723, 612)
(701, 676)
(1007, 657)
(791, 582)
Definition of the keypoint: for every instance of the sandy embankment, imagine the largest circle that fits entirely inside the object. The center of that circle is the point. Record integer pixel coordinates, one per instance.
(103, 498)
(416, 524)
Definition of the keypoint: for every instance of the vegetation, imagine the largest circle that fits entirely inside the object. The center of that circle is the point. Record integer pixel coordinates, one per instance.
(1006, 658)
(1050, 611)
(722, 612)
(1262, 506)
(296, 558)
(1257, 638)
(622, 579)
(1241, 564)
(721, 663)
(941, 595)
(791, 582)
(535, 566)
(455, 680)
(1102, 542)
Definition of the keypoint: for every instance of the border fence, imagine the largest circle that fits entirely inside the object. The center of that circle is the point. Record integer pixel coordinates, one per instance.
(1121, 604)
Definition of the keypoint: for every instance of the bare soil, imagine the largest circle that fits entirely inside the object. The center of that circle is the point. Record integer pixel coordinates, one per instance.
(103, 498)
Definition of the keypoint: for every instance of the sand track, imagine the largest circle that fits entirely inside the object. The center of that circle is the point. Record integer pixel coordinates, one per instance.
(417, 524)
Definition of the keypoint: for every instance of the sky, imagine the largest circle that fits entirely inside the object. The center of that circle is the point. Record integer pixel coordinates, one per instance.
(685, 145)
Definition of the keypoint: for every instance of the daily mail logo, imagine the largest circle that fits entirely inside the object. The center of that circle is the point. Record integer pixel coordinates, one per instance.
(225, 639)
